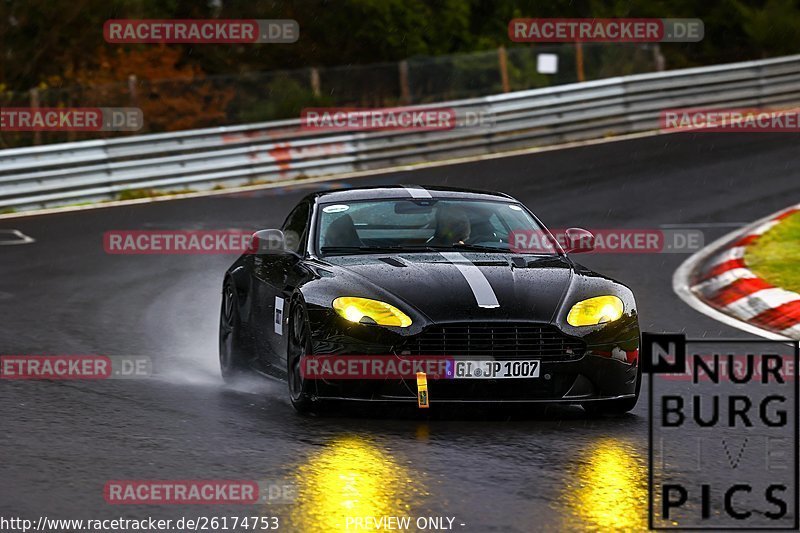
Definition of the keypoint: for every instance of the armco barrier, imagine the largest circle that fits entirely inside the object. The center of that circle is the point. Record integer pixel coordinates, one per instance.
(202, 159)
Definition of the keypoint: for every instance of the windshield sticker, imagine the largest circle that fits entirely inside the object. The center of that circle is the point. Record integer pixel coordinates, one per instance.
(336, 208)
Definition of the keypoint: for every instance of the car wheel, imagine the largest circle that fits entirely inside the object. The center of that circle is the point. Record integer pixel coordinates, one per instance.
(231, 362)
(299, 345)
(616, 407)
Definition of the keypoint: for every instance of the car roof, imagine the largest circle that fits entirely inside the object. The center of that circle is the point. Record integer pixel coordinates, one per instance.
(406, 192)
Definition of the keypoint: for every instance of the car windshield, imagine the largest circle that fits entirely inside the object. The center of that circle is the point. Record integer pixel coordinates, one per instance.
(425, 225)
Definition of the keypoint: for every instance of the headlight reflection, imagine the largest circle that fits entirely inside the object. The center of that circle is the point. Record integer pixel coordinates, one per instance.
(351, 477)
(608, 490)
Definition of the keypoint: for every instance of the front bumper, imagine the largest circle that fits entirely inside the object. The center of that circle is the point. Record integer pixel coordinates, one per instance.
(602, 364)
(592, 377)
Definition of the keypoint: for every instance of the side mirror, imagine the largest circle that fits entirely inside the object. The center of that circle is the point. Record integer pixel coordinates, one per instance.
(579, 241)
(268, 242)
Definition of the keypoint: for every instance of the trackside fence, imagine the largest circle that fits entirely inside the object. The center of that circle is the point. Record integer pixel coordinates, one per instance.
(84, 171)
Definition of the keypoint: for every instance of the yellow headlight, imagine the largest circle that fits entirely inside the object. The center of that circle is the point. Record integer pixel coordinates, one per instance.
(383, 314)
(597, 310)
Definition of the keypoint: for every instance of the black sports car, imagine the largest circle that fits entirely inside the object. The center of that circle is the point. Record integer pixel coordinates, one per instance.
(405, 273)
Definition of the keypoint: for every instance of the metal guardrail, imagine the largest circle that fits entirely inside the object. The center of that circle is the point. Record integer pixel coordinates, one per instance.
(274, 151)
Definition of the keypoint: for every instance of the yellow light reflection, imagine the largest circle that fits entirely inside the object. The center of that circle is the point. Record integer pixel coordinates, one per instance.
(608, 491)
(351, 478)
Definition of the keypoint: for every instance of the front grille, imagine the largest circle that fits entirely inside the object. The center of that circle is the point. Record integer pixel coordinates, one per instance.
(501, 341)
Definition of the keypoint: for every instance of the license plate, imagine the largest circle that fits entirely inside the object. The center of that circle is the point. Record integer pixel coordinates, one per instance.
(496, 369)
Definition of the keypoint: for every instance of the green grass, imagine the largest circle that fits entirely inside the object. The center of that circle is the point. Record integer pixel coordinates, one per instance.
(775, 256)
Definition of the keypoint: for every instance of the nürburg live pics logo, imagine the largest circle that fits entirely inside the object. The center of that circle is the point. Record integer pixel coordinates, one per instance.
(723, 433)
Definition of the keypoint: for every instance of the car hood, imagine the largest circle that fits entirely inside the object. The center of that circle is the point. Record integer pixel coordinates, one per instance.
(526, 288)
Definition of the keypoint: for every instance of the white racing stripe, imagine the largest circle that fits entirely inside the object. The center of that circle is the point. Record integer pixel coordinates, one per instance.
(484, 294)
(417, 192)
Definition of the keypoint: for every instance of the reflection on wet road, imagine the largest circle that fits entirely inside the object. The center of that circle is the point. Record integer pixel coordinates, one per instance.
(451, 468)
(351, 478)
(608, 490)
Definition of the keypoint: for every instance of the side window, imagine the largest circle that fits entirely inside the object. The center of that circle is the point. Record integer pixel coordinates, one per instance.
(295, 229)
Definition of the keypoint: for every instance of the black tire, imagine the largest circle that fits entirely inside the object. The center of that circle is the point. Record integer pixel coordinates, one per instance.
(299, 345)
(616, 407)
(231, 359)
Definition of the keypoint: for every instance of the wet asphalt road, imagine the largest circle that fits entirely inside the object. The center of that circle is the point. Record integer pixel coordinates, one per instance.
(547, 469)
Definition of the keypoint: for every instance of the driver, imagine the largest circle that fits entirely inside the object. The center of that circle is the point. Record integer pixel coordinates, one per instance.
(452, 227)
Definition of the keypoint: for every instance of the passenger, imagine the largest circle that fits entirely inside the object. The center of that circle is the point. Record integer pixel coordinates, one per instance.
(342, 233)
(452, 227)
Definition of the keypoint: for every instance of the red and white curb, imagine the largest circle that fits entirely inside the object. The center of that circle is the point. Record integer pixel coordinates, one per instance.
(717, 282)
